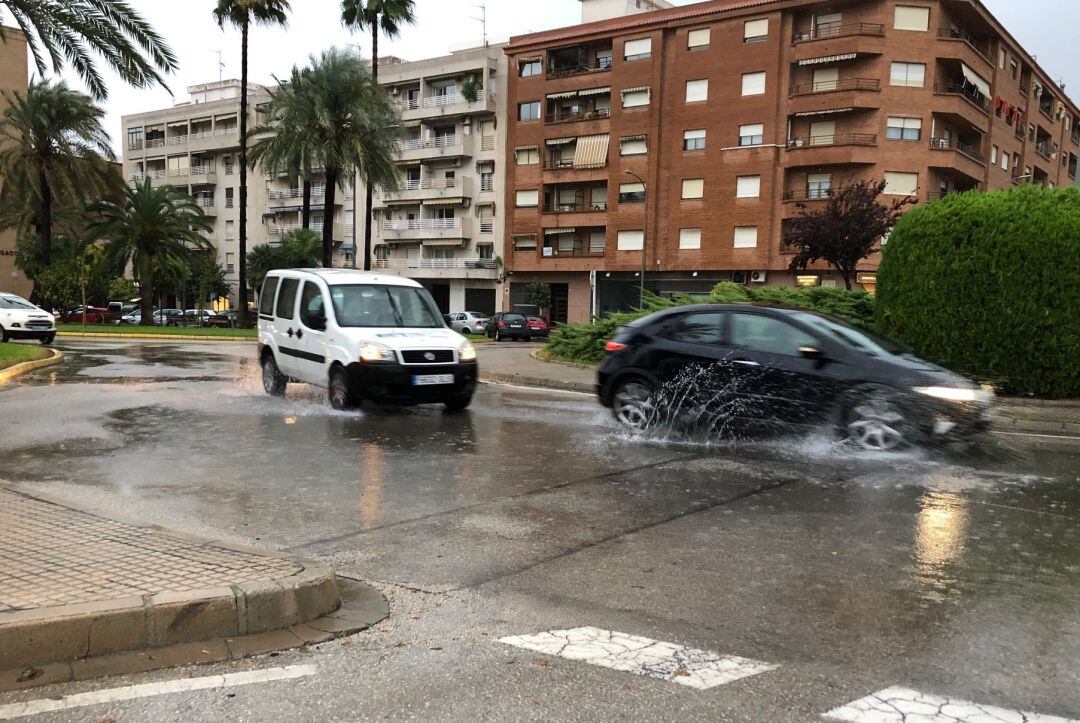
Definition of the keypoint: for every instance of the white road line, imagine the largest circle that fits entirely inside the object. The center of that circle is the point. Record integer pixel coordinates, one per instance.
(148, 690)
(699, 669)
(1033, 434)
(894, 705)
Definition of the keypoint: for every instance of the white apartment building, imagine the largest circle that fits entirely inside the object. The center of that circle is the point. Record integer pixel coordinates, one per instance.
(444, 225)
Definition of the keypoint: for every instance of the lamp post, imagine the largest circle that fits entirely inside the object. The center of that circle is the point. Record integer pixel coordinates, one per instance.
(644, 233)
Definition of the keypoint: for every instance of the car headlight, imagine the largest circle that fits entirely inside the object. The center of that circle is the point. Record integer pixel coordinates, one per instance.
(952, 394)
(373, 351)
(467, 352)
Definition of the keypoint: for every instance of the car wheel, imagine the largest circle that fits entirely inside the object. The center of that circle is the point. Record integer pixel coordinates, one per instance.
(633, 404)
(274, 382)
(528, 339)
(876, 423)
(340, 391)
(46, 340)
(458, 405)
(3, 336)
(498, 336)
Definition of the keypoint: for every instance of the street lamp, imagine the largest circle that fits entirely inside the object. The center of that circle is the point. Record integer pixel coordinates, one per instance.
(644, 227)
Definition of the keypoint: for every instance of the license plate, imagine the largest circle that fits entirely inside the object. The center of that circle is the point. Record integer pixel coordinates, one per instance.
(423, 380)
(515, 326)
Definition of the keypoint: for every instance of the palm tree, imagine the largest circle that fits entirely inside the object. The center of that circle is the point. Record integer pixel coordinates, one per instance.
(241, 14)
(299, 249)
(353, 130)
(387, 16)
(75, 30)
(151, 227)
(54, 146)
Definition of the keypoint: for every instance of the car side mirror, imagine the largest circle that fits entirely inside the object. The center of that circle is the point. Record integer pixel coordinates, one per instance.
(317, 320)
(812, 352)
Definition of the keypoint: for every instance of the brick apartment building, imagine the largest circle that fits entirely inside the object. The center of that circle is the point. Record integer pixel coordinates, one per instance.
(696, 131)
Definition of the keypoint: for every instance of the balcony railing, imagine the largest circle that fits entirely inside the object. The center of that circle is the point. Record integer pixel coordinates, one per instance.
(416, 184)
(579, 249)
(828, 86)
(201, 135)
(968, 93)
(562, 71)
(840, 30)
(177, 140)
(836, 139)
(552, 164)
(1044, 150)
(580, 206)
(155, 143)
(135, 145)
(421, 224)
(487, 184)
(449, 263)
(204, 202)
(226, 131)
(442, 101)
(810, 194)
(960, 34)
(581, 115)
(487, 225)
(296, 193)
(416, 144)
(952, 144)
(280, 229)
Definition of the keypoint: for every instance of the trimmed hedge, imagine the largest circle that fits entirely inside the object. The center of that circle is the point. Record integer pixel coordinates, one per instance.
(989, 284)
(584, 343)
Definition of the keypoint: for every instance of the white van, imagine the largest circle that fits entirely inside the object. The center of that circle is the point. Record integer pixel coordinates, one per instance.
(362, 336)
(19, 319)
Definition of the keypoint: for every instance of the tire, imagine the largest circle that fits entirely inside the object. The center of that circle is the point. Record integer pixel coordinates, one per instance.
(339, 391)
(454, 406)
(274, 382)
(632, 404)
(45, 341)
(3, 336)
(873, 421)
(498, 336)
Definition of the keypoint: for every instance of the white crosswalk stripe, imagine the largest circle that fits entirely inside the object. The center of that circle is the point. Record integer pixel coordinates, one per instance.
(699, 669)
(901, 705)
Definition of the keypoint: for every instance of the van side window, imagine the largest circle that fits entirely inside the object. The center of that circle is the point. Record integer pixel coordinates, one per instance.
(266, 297)
(311, 299)
(286, 300)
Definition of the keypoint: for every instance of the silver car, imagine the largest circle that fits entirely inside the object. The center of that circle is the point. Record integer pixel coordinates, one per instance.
(468, 322)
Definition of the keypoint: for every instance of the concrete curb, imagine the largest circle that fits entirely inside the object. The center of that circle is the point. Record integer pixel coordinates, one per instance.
(14, 371)
(539, 355)
(540, 382)
(163, 337)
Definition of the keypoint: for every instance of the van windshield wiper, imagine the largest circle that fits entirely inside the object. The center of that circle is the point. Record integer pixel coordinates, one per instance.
(394, 306)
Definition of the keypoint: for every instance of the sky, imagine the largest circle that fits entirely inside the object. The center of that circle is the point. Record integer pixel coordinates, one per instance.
(1048, 28)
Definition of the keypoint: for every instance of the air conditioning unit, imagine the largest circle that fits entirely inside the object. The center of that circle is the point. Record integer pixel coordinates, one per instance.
(757, 277)
(738, 277)
(394, 91)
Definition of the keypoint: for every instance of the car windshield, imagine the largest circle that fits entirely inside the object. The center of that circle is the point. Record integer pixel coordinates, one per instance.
(14, 302)
(378, 305)
(855, 338)
(513, 317)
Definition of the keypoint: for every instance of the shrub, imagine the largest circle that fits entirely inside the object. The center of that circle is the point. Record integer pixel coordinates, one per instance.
(989, 284)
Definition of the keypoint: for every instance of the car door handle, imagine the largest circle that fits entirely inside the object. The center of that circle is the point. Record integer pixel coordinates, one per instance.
(289, 332)
(747, 362)
(299, 333)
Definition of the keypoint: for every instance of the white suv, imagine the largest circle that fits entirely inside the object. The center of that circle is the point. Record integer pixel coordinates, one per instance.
(363, 336)
(19, 319)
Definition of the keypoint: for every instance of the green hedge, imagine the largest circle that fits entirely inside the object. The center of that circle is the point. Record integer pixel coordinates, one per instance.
(989, 284)
(584, 343)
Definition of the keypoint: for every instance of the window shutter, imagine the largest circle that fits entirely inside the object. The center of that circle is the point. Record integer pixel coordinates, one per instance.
(698, 38)
(631, 240)
(526, 199)
(748, 187)
(690, 238)
(826, 79)
(634, 147)
(697, 90)
(753, 83)
(693, 189)
(901, 184)
(752, 129)
(745, 237)
(635, 98)
(753, 29)
(632, 188)
(640, 47)
(912, 18)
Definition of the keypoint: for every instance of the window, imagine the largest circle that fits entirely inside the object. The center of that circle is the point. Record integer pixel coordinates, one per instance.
(912, 75)
(1002, 58)
(755, 31)
(689, 238)
(286, 299)
(528, 199)
(693, 189)
(230, 263)
(752, 134)
(640, 49)
(1014, 69)
(631, 193)
(135, 139)
(696, 328)
(525, 242)
(697, 91)
(818, 185)
(694, 140)
(746, 237)
(912, 18)
(382, 252)
(597, 242)
(633, 146)
(230, 230)
(266, 297)
(697, 39)
(529, 68)
(901, 184)
(826, 79)
(635, 97)
(993, 154)
(228, 198)
(372, 305)
(631, 240)
(1004, 161)
(311, 302)
(904, 129)
(528, 156)
(529, 111)
(823, 133)
(748, 187)
(753, 84)
(761, 333)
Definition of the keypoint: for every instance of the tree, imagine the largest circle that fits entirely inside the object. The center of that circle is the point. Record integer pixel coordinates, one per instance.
(149, 227)
(540, 294)
(121, 288)
(206, 279)
(76, 30)
(378, 16)
(241, 14)
(299, 249)
(54, 147)
(353, 130)
(848, 230)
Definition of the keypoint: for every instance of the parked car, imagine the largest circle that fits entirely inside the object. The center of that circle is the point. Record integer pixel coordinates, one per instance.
(468, 322)
(19, 319)
(363, 336)
(538, 326)
(508, 325)
(92, 314)
(206, 318)
(233, 316)
(735, 367)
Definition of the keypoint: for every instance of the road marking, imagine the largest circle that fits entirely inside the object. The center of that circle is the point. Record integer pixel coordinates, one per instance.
(894, 705)
(699, 669)
(149, 690)
(1033, 434)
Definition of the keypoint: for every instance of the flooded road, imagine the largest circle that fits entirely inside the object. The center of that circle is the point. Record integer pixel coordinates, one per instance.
(948, 574)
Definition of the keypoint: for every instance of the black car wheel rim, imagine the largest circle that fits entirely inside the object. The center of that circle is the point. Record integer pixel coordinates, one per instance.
(876, 424)
(634, 405)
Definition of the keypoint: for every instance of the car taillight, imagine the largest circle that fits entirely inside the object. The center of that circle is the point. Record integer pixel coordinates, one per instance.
(502, 324)
(614, 346)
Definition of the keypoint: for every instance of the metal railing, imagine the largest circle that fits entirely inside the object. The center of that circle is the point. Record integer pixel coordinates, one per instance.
(836, 139)
(810, 194)
(953, 144)
(177, 140)
(280, 229)
(580, 206)
(204, 202)
(551, 164)
(580, 248)
(155, 143)
(598, 65)
(487, 184)
(828, 86)
(581, 115)
(445, 263)
(199, 135)
(226, 131)
(421, 224)
(442, 101)
(839, 30)
(1044, 150)
(968, 93)
(953, 33)
(135, 145)
(416, 144)
(296, 193)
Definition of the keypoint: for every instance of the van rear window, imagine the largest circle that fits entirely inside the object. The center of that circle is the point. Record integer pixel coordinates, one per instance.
(286, 300)
(266, 297)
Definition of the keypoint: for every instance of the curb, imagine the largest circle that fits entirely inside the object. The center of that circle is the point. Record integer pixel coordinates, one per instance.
(165, 337)
(527, 381)
(539, 355)
(14, 371)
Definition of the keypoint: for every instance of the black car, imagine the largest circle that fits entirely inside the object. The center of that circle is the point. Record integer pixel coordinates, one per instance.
(730, 367)
(508, 325)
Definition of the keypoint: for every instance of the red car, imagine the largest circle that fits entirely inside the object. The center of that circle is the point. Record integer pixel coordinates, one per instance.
(93, 314)
(538, 326)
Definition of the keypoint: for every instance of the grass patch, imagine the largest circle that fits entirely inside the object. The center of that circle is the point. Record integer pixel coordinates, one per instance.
(114, 329)
(12, 354)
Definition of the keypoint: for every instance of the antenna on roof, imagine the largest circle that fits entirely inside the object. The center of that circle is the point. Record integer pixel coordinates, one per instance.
(482, 20)
(220, 65)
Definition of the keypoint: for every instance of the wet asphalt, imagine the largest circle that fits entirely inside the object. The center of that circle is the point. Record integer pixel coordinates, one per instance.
(952, 573)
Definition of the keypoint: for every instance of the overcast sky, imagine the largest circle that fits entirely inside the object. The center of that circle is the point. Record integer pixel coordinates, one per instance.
(1048, 28)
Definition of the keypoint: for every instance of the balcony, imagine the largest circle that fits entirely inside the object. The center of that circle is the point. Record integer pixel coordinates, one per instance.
(802, 195)
(422, 149)
(472, 267)
(177, 140)
(962, 45)
(436, 106)
(832, 86)
(961, 101)
(826, 31)
(1045, 150)
(576, 207)
(293, 196)
(580, 115)
(429, 189)
(202, 174)
(597, 65)
(959, 156)
(836, 149)
(280, 229)
(207, 205)
(155, 143)
(829, 39)
(847, 93)
(425, 229)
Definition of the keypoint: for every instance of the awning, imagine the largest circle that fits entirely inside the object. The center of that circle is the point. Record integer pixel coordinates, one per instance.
(975, 79)
(829, 59)
(456, 201)
(639, 137)
(634, 90)
(527, 148)
(555, 96)
(832, 111)
(410, 124)
(531, 59)
(558, 231)
(443, 242)
(594, 91)
(591, 151)
(561, 141)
